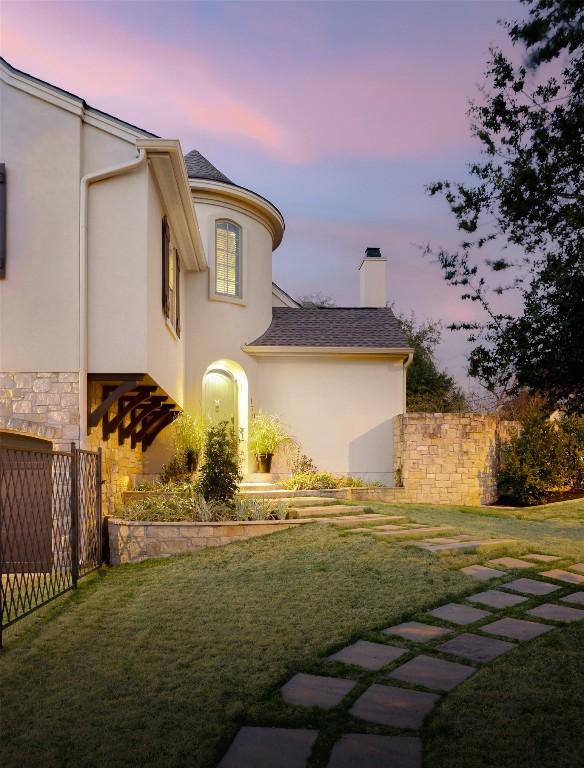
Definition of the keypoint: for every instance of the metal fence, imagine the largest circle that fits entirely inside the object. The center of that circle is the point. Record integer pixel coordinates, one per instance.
(50, 526)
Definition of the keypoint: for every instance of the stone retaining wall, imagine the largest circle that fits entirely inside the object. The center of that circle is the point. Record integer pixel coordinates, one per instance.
(131, 541)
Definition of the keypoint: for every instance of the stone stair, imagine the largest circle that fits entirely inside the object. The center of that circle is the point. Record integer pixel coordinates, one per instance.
(325, 510)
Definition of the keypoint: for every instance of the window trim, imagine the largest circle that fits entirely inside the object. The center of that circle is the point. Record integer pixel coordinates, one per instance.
(214, 294)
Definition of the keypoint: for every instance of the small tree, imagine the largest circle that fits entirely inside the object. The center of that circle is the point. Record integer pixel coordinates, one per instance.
(220, 473)
(428, 388)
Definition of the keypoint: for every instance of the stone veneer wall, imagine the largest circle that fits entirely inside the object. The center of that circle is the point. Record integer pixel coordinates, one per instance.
(131, 542)
(121, 464)
(448, 457)
(42, 405)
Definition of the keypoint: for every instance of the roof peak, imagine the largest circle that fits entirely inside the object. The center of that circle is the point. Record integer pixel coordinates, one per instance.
(198, 167)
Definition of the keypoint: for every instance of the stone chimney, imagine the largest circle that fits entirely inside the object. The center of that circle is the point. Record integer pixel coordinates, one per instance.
(373, 279)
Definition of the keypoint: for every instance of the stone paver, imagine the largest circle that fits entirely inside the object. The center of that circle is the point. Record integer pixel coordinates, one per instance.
(511, 562)
(269, 748)
(316, 691)
(495, 599)
(415, 630)
(368, 655)
(576, 597)
(432, 673)
(475, 647)
(557, 612)
(469, 545)
(459, 614)
(542, 558)
(557, 574)
(397, 707)
(482, 573)
(409, 531)
(530, 587)
(360, 750)
(578, 567)
(516, 629)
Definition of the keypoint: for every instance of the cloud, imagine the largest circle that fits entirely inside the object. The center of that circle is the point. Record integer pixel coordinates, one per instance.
(388, 102)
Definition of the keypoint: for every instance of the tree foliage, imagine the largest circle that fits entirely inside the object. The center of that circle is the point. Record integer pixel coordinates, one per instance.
(316, 301)
(428, 389)
(527, 192)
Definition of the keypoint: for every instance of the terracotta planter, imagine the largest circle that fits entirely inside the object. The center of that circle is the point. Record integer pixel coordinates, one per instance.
(264, 462)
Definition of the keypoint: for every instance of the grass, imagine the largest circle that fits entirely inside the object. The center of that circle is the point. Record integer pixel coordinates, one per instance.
(158, 664)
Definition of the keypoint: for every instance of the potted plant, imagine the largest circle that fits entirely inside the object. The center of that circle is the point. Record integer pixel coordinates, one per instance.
(266, 434)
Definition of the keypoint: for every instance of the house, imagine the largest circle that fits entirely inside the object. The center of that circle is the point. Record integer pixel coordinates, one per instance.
(135, 282)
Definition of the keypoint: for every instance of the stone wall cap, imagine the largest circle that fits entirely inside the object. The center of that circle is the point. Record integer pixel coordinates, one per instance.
(121, 521)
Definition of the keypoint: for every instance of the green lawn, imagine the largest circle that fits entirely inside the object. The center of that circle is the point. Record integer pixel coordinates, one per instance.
(158, 664)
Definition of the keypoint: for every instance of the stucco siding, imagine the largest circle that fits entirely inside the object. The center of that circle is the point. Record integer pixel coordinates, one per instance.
(340, 410)
(165, 362)
(217, 330)
(117, 274)
(39, 309)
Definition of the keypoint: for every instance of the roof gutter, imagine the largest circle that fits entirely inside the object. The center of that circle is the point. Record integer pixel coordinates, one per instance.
(396, 353)
(86, 181)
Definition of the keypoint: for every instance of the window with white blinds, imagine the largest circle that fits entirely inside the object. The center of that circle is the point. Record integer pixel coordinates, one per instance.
(228, 259)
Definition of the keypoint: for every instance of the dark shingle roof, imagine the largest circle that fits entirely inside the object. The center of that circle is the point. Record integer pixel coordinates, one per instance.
(333, 327)
(198, 167)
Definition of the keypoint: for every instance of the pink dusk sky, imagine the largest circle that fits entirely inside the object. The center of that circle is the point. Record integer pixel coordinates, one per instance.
(339, 112)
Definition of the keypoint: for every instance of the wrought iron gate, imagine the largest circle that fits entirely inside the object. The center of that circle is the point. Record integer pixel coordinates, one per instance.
(50, 526)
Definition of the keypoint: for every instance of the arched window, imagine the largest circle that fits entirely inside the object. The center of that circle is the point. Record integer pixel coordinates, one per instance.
(228, 259)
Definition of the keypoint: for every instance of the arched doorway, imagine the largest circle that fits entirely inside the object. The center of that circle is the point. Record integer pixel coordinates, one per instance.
(225, 398)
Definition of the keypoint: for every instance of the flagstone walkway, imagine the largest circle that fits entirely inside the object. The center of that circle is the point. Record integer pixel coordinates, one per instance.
(400, 684)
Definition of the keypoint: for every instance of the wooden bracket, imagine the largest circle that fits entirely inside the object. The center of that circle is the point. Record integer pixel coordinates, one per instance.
(102, 409)
(125, 406)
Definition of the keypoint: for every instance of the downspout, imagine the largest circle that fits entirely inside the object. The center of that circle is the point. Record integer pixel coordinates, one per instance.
(90, 178)
(407, 362)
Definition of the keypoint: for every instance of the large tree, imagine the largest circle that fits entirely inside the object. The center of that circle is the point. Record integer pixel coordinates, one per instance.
(526, 195)
(428, 389)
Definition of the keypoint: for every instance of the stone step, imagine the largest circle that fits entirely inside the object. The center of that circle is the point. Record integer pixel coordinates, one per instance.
(351, 520)
(308, 501)
(257, 487)
(322, 510)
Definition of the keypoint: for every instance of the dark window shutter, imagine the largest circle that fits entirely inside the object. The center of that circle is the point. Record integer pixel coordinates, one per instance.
(177, 293)
(165, 257)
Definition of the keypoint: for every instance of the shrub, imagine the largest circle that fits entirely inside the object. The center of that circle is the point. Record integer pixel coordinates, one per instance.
(266, 434)
(176, 470)
(247, 508)
(220, 474)
(188, 444)
(187, 504)
(307, 481)
(545, 455)
(300, 463)
(189, 438)
(573, 428)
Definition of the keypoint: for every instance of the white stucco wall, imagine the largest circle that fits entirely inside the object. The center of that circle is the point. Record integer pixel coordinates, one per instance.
(40, 145)
(339, 409)
(217, 329)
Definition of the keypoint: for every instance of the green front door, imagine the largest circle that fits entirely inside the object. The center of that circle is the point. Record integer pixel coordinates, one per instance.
(220, 398)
